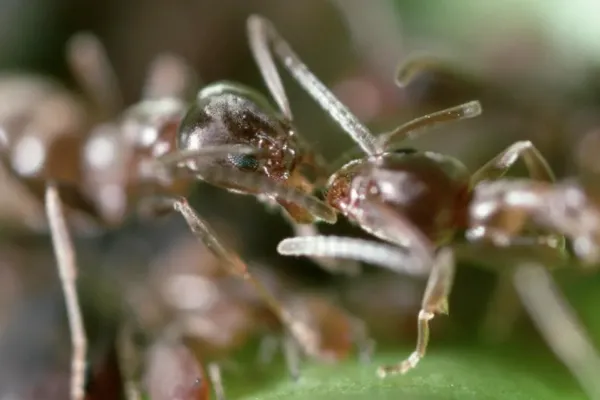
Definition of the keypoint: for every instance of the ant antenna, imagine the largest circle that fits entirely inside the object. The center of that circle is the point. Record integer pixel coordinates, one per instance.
(381, 254)
(265, 39)
(413, 128)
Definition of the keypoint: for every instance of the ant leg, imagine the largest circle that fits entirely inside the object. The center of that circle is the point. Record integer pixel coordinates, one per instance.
(364, 343)
(497, 167)
(498, 326)
(267, 349)
(129, 363)
(89, 63)
(169, 76)
(291, 354)
(65, 257)
(209, 238)
(237, 267)
(558, 325)
(265, 40)
(502, 312)
(435, 301)
(214, 374)
(413, 128)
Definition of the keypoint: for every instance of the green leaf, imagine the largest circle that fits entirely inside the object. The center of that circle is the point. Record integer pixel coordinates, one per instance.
(455, 372)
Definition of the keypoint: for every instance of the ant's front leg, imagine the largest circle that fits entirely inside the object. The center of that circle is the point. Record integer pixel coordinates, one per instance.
(67, 268)
(204, 232)
(435, 301)
(415, 259)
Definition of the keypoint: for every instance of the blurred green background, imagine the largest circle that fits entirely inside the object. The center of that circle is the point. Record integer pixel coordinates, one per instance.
(534, 65)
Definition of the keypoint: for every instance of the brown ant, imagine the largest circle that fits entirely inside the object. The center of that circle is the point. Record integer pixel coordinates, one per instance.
(105, 165)
(215, 314)
(420, 200)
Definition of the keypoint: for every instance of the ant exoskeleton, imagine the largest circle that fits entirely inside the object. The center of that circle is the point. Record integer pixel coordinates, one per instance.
(104, 165)
(419, 201)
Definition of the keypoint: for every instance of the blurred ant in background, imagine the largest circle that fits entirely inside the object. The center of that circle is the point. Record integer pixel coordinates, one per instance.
(215, 314)
(419, 201)
(105, 165)
(48, 145)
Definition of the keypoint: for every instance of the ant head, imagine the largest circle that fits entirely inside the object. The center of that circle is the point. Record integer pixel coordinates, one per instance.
(340, 193)
(232, 114)
(339, 185)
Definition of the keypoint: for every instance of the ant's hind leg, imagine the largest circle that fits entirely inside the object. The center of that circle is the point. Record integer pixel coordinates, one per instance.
(65, 257)
(435, 301)
(558, 325)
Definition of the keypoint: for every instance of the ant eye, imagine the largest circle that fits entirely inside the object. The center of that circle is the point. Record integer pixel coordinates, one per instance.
(406, 150)
(245, 162)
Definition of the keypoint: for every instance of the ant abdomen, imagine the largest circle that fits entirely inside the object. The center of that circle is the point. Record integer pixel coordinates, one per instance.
(429, 189)
(230, 114)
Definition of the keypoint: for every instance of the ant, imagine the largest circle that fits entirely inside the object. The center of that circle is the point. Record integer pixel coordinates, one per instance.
(419, 201)
(103, 164)
(215, 314)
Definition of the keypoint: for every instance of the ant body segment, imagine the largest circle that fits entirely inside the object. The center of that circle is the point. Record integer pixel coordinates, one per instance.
(418, 202)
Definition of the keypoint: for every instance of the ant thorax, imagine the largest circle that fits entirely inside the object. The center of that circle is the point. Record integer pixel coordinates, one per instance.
(231, 114)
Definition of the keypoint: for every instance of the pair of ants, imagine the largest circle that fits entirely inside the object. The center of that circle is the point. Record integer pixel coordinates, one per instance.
(106, 165)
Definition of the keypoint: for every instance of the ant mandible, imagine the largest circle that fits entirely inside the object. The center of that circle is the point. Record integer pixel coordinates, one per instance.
(104, 165)
(419, 201)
